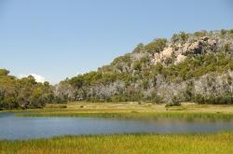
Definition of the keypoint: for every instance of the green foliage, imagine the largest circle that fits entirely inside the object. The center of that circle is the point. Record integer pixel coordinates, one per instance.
(192, 67)
(23, 93)
(223, 33)
(119, 98)
(175, 101)
(137, 65)
(77, 81)
(226, 47)
(168, 61)
(181, 37)
(139, 48)
(157, 69)
(155, 98)
(184, 36)
(212, 99)
(156, 46)
(189, 90)
(231, 31)
(125, 59)
(200, 34)
(4, 72)
(195, 67)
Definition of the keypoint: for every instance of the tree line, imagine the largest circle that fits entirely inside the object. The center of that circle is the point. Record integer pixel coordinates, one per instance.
(23, 93)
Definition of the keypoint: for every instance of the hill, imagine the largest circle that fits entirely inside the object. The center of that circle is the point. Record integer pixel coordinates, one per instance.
(189, 67)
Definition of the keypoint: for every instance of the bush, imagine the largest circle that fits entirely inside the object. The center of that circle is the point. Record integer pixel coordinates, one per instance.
(199, 99)
(211, 99)
(156, 46)
(175, 101)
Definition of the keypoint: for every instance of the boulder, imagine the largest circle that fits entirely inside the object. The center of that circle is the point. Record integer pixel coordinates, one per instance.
(180, 58)
(167, 52)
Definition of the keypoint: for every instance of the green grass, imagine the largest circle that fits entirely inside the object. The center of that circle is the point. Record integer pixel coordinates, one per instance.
(131, 111)
(125, 144)
(128, 115)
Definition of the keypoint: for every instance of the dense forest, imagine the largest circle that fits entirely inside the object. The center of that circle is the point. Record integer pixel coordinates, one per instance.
(194, 67)
(23, 93)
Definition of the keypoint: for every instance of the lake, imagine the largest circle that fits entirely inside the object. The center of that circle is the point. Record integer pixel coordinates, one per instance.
(12, 127)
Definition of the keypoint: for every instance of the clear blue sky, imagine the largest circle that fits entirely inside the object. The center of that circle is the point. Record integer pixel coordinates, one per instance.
(61, 38)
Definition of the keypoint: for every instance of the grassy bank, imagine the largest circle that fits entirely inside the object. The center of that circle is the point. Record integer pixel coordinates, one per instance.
(127, 143)
(131, 110)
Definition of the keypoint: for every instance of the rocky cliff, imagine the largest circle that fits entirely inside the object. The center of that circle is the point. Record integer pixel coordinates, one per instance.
(188, 67)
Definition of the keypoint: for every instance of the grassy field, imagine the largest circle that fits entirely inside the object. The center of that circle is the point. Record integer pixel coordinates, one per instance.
(132, 110)
(125, 144)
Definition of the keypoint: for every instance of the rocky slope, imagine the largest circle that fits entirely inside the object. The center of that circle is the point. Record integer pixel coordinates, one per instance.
(188, 67)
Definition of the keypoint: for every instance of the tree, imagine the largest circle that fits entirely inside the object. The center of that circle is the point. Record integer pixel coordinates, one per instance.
(184, 36)
(156, 46)
(139, 48)
(23, 93)
(4, 72)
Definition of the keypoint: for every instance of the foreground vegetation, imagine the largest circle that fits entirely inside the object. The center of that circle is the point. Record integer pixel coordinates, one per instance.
(126, 143)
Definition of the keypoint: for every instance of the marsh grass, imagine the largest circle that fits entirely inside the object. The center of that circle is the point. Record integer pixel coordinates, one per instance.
(124, 144)
(131, 115)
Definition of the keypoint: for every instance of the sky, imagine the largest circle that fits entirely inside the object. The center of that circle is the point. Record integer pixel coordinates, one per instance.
(56, 39)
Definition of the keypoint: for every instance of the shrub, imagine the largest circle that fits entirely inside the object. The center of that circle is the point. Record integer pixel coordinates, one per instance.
(156, 46)
(175, 101)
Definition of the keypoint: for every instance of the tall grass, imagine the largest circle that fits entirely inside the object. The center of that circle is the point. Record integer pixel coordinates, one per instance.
(124, 144)
(129, 115)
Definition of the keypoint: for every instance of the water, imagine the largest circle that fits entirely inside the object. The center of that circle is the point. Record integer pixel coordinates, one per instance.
(12, 127)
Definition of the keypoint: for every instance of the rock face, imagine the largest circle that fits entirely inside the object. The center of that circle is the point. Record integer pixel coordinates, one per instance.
(180, 58)
(193, 46)
(167, 52)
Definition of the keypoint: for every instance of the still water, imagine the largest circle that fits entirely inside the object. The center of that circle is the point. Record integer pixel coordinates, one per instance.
(12, 127)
